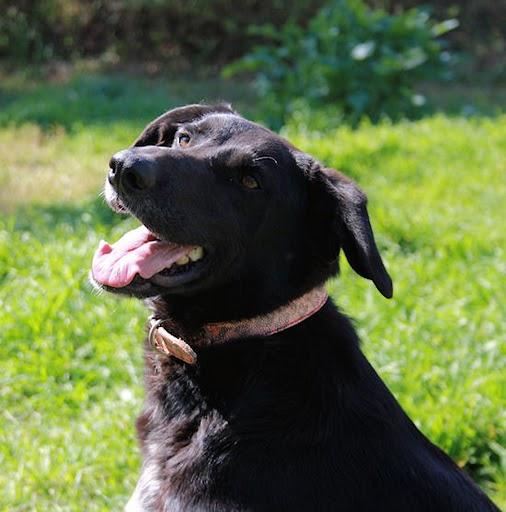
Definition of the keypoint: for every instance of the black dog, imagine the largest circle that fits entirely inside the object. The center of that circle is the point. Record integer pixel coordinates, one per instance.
(267, 402)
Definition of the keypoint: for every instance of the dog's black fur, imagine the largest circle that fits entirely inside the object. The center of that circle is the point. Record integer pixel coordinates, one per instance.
(297, 421)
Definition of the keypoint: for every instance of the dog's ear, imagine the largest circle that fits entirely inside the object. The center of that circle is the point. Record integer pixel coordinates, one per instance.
(342, 215)
(163, 128)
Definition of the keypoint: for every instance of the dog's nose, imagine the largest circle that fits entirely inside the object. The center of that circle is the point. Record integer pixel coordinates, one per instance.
(115, 166)
(131, 171)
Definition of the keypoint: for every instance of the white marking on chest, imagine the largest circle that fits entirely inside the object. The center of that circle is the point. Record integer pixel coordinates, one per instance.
(146, 491)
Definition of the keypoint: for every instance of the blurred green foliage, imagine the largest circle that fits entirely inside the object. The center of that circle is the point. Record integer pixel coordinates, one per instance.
(361, 61)
(207, 31)
(482, 32)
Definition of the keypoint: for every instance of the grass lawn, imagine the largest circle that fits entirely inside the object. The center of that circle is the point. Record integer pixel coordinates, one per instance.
(71, 360)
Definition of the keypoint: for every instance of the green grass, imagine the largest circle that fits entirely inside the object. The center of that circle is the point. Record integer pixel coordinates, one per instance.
(71, 360)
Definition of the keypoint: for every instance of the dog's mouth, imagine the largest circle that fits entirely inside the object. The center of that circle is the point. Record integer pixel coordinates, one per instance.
(141, 254)
(141, 260)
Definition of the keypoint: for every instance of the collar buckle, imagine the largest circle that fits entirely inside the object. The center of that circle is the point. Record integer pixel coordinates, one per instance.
(165, 342)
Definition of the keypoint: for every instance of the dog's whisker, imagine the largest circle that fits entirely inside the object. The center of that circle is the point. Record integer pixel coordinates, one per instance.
(266, 158)
(94, 287)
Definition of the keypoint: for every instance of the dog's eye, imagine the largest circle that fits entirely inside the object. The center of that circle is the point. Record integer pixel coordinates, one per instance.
(183, 140)
(249, 181)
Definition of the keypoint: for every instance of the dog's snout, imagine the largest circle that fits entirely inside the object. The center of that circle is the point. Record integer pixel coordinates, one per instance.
(131, 172)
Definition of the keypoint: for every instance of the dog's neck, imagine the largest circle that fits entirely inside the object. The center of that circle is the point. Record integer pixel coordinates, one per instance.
(239, 298)
(164, 332)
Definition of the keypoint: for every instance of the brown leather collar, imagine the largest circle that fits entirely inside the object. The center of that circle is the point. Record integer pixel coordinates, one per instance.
(278, 320)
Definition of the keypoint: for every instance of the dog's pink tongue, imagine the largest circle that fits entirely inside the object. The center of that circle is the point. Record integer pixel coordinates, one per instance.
(136, 252)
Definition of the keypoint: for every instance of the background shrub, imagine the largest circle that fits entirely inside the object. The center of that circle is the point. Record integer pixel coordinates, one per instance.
(209, 31)
(482, 32)
(364, 62)
(203, 31)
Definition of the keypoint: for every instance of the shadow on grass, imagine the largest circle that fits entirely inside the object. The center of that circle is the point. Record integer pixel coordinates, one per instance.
(466, 100)
(45, 222)
(102, 99)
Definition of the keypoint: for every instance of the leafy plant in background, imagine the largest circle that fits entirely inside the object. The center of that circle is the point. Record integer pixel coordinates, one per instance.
(202, 32)
(363, 62)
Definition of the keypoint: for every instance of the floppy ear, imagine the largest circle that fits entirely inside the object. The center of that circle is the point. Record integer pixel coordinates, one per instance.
(163, 128)
(350, 224)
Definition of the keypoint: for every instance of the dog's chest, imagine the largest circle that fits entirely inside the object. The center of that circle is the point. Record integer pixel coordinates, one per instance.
(218, 437)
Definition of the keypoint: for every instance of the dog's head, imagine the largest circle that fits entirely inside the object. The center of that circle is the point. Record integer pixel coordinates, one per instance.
(228, 205)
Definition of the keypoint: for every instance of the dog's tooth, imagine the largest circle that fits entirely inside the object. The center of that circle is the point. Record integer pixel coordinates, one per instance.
(183, 260)
(196, 254)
